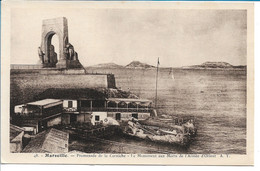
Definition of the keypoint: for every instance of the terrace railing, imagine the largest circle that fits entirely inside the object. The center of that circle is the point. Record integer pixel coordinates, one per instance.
(114, 109)
(26, 66)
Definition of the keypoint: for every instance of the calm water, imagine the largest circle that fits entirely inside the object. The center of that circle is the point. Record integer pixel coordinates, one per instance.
(216, 98)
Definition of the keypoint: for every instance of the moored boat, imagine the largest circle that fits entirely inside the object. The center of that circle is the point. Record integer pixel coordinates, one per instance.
(155, 131)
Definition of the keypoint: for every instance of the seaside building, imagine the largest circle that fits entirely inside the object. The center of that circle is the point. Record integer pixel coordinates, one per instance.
(65, 106)
(97, 110)
(36, 116)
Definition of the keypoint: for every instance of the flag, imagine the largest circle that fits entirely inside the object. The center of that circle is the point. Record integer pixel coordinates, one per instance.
(158, 62)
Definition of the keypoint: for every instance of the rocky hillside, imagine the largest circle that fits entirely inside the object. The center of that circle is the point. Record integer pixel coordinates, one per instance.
(137, 64)
(107, 65)
(216, 65)
(134, 64)
(81, 93)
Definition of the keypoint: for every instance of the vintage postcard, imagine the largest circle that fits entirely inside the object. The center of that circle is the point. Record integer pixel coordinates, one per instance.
(155, 83)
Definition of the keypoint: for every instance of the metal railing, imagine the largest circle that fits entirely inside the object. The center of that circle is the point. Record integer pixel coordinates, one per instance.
(113, 109)
(26, 66)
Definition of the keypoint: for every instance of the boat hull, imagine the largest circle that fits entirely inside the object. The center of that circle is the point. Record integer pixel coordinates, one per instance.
(156, 134)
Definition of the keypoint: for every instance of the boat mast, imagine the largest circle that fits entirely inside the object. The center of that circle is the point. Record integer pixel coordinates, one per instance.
(158, 63)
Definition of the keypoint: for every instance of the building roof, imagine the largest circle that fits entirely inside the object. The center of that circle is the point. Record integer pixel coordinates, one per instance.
(49, 141)
(44, 102)
(15, 131)
(36, 143)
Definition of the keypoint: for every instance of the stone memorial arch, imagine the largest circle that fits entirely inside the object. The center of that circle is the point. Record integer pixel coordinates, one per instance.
(66, 57)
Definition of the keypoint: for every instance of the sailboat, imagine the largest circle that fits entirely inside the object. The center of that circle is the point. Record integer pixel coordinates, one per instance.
(172, 75)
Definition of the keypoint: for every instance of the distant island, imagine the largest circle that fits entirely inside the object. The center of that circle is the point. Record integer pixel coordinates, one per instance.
(107, 65)
(137, 64)
(215, 65)
(140, 65)
(134, 64)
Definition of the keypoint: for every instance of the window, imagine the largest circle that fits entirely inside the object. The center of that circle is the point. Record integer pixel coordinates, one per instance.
(85, 103)
(98, 103)
(96, 118)
(118, 116)
(69, 104)
(135, 115)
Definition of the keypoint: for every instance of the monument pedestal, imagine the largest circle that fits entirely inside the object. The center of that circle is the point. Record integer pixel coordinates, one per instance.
(48, 65)
(73, 64)
(62, 64)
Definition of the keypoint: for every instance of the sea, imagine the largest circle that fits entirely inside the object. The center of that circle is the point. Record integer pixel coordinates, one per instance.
(215, 97)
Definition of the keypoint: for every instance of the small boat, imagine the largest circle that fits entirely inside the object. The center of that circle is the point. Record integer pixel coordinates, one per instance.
(172, 75)
(172, 134)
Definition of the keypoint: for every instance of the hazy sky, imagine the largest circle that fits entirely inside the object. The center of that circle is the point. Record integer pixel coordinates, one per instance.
(178, 37)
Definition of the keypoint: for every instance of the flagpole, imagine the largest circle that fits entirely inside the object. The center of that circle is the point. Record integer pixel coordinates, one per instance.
(156, 84)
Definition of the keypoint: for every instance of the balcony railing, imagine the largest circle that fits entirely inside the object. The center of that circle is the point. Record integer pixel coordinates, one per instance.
(114, 109)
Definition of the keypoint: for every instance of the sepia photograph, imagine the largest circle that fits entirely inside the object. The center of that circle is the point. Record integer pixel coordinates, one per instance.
(129, 81)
